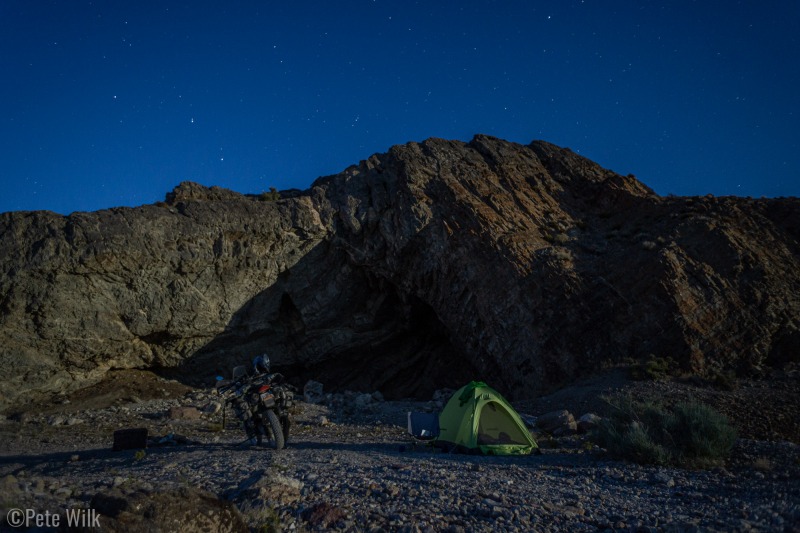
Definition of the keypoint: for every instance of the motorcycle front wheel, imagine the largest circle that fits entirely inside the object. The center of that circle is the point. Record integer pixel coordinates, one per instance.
(275, 431)
(286, 424)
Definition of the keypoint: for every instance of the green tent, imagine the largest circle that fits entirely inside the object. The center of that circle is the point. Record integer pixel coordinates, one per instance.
(478, 420)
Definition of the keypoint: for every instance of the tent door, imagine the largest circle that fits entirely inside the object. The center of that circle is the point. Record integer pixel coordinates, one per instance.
(496, 426)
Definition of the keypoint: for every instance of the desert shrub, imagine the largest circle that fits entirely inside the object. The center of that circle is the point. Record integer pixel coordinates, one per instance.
(688, 434)
(641, 447)
(632, 432)
(702, 435)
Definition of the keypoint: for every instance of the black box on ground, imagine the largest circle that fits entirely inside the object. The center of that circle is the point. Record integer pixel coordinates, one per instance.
(130, 439)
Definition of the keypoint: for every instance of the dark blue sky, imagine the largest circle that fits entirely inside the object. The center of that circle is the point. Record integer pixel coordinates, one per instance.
(112, 103)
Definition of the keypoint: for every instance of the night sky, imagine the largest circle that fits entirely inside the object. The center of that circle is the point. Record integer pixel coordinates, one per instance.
(113, 103)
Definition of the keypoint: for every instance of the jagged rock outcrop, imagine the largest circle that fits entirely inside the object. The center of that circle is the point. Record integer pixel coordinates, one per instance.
(432, 264)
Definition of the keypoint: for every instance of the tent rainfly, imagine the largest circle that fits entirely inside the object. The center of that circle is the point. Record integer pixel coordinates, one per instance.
(478, 420)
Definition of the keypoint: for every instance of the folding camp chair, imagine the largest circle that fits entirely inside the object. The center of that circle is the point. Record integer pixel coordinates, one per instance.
(423, 426)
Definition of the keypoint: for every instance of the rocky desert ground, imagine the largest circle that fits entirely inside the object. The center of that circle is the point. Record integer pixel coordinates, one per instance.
(350, 466)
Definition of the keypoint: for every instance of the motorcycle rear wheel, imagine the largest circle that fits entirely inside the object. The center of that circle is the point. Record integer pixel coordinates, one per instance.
(275, 431)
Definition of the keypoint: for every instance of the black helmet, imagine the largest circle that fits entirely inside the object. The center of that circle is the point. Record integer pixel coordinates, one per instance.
(261, 364)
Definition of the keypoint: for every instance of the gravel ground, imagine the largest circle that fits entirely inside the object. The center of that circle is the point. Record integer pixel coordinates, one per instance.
(357, 470)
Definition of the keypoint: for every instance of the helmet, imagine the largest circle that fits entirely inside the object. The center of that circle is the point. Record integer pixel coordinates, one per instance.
(261, 364)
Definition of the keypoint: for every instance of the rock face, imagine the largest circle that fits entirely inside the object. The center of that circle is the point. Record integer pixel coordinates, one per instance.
(430, 265)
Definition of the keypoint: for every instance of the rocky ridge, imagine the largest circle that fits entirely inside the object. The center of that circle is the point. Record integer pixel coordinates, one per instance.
(432, 264)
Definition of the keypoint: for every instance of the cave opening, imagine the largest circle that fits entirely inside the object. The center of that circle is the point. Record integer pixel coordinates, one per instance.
(409, 355)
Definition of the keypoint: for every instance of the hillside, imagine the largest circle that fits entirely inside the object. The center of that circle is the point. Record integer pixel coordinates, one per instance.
(435, 263)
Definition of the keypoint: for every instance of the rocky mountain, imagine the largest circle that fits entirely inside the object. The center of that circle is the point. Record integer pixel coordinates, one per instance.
(432, 264)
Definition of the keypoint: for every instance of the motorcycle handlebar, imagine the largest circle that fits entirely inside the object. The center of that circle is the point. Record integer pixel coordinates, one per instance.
(233, 385)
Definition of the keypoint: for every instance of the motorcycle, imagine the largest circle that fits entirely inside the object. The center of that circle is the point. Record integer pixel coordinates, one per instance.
(261, 400)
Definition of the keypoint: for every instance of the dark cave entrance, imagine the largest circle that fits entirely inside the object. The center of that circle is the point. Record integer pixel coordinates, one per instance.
(409, 355)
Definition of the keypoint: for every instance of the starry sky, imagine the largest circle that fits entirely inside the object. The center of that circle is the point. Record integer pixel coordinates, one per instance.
(113, 103)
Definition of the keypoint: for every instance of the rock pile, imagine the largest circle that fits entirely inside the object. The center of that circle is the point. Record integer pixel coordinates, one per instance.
(345, 404)
(562, 423)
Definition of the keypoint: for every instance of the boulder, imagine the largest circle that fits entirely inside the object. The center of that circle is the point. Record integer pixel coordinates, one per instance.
(556, 420)
(588, 422)
(363, 401)
(313, 392)
(570, 428)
